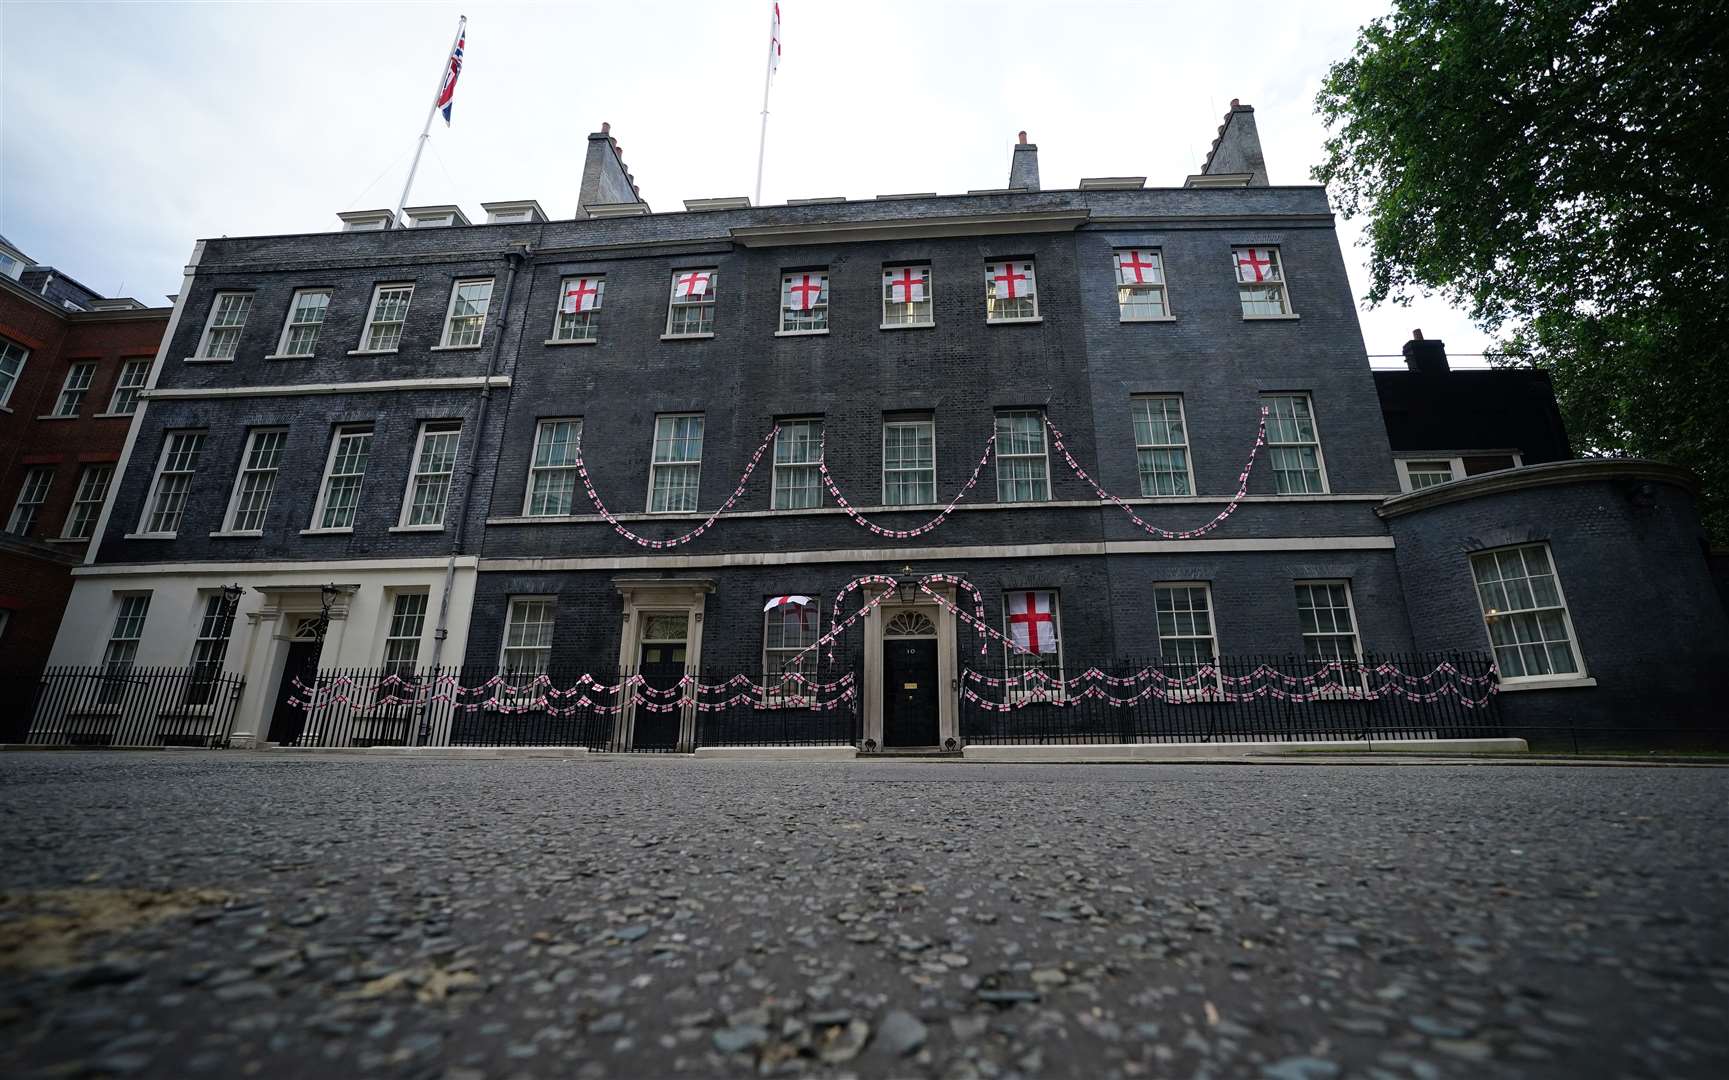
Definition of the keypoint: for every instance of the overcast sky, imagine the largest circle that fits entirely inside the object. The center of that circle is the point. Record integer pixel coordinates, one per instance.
(127, 131)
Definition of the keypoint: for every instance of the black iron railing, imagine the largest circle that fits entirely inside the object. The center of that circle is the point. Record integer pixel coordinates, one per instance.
(618, 710)
(123, 705)
(1387, 696)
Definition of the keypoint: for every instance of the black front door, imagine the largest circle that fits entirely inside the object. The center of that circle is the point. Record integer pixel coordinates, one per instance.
(289, 720)
(661, 667)
(910, 692)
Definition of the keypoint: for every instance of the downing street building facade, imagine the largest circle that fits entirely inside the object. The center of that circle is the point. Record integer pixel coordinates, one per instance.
(386, 449)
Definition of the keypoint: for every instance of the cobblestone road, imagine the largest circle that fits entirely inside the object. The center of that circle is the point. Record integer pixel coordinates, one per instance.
(246, 915)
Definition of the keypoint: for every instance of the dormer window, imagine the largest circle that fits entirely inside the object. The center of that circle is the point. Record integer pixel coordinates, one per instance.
(804, 302)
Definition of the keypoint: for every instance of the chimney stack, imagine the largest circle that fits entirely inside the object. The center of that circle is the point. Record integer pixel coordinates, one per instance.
(1425, 356)
(1024, 166)
(1235, 159)
(605, 179)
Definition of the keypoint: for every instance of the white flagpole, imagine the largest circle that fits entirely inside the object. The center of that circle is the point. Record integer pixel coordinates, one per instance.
(767, 78)
(426, 131)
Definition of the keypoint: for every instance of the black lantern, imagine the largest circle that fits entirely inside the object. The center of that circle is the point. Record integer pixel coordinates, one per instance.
(327, 595)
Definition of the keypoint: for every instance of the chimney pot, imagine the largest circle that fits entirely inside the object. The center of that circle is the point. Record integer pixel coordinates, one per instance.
(1417, 335)
(1023, 138)
(1235, 103)
(605, 128)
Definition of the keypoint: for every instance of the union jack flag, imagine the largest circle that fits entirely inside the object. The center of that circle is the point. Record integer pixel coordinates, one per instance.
(447, 89)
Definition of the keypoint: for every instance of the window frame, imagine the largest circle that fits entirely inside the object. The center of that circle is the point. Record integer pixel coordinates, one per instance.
(150, 500)
(1403, 461)
(321, 505)
(534, 470)
(121, 386)
(450, 316)
(214, 616)
(1288, 310)
(590, 318)
(1580, 672)
(1188, 453)
(18, 352)
(776, 465)
(230, 517)
(386, 665)
(708, 302)
(929, 421)
(510, 620)
(818, 312)
(366, 328)
(654, 464)
(1162, 286)
(80, 500)
(1314, 422)
(289, 324)
(929, 302)
(1044, 454)
(86, 368)
(445, 427)
(34, 506)
(1014, 663)
(776, 695)
(1202, 690)
(1351, 679)
(991, 297)
(210, 326)
(111, 691)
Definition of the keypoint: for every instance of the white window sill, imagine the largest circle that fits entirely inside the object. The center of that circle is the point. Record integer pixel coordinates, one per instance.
(208, 360)
(225, 534)
(57, 416)
(326, 532)
(415, 528)
(908, 325)
(801, 333)
(149, 536)
(687, 337)
(5, 408)
(1271, 318)
(571, 341)
(455, 348)
(1547, 682)
(1150, 318)
(292, 356)
(371, 352)
(109, 415)
(1014, 322)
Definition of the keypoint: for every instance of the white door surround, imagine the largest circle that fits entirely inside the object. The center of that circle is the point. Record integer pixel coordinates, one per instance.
(909, 601)
(659, 596)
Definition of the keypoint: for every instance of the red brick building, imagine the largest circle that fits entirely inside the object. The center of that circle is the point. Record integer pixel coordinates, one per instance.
(71, 365)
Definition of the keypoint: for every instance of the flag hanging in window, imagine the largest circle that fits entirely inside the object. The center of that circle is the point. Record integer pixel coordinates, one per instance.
(782, 601)
(1033, 622)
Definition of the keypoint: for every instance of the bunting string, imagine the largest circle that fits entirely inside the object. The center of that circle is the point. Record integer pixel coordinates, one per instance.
(858, 518)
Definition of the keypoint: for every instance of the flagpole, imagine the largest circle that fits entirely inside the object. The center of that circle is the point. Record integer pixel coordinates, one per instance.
(767, 78)
(426, 131)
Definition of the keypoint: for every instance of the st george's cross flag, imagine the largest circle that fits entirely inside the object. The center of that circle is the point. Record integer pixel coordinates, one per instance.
(774, 43)
(447, 88)
(780, 601)
(1011, 280)
(905, 284)
(1033, 622)
(582, 295)
(691, 283)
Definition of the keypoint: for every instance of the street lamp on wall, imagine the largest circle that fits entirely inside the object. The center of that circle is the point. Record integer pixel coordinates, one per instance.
(327, 595)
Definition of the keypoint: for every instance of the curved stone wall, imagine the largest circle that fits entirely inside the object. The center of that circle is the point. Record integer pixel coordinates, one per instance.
(1650, 630)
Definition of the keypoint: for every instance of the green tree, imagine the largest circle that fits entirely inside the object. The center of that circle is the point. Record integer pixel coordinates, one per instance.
(1559, 168)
